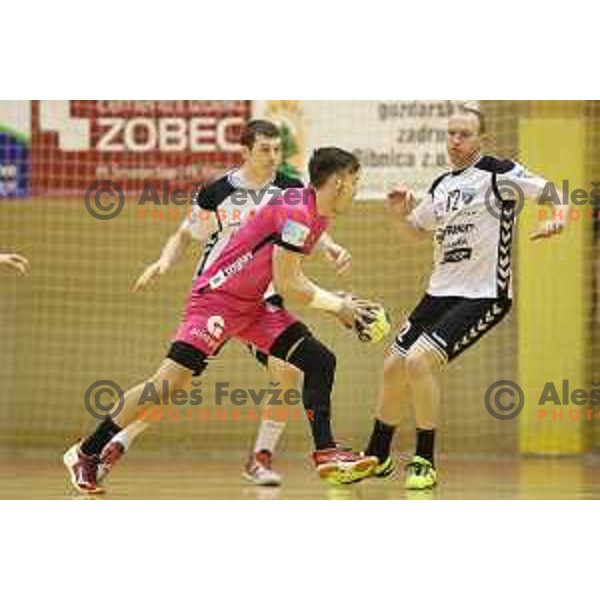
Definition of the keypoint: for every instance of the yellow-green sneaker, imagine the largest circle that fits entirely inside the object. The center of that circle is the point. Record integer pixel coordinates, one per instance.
(384, 468)
(343, 466)
(420, 474)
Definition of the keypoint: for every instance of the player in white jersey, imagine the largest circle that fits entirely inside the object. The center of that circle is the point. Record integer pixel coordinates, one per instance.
(471, 212)
(217, 212)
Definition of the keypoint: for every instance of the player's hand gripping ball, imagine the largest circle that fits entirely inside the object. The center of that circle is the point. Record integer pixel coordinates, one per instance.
(377, 326)
(371, 324)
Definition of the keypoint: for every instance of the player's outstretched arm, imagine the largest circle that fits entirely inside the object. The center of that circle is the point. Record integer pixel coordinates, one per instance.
(338, 256)
(172, 252)
(193, 228)
(551, 227)
(292, 284)
(400, 203)
(16, 262)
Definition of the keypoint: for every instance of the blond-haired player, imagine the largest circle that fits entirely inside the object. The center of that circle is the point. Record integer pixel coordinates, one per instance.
(470, 212)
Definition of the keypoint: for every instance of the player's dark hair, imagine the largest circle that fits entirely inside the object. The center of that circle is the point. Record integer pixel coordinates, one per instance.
(258, 127)
(469, 110)
(326, 161)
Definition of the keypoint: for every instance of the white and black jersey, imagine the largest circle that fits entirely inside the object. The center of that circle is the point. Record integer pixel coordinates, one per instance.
(470, 290)
(231, 200)
(473, 241)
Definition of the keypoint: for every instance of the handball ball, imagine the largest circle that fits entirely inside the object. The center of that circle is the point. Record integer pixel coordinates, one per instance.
(377, 328)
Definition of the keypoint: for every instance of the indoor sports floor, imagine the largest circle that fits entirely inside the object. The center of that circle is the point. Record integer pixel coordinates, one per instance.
(211, 477)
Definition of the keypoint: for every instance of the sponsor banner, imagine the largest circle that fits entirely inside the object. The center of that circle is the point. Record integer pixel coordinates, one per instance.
(15, 134)
(132, 142)
(397, 141)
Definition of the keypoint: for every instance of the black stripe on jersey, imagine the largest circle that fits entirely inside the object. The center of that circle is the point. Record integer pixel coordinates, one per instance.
(290, 247)
(264, 242)
(284, 182)
(274, 239)
(214, 194)
(495, 165)
(505, 239)
(437, 182)
(208, 248)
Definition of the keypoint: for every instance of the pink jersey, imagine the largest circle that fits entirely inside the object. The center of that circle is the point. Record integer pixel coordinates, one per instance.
(244, 268)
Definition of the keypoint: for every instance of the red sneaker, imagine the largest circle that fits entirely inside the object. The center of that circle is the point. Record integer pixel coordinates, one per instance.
(82, 469)
(111, 454)
(343, 466)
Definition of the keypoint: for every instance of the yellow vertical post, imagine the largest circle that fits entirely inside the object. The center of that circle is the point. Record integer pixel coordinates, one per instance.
(553, 303)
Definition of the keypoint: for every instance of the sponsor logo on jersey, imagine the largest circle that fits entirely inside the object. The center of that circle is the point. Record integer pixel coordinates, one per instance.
(459, 229)
(457, 255)
(216, 326)
(212, 333)
(219, 278)
(295, 233)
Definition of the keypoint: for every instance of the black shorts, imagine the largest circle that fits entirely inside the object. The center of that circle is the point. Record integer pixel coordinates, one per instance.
(263, 358)
(448, 325)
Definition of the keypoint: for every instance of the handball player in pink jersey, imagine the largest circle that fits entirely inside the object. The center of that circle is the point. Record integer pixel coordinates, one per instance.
(227, 301)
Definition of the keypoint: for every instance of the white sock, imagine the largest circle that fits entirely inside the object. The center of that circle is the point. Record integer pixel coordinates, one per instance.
(268, 435)
(123, 438)
(127, 435)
